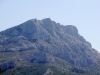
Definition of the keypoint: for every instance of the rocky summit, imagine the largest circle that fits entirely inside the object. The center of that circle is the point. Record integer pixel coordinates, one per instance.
(45, 42)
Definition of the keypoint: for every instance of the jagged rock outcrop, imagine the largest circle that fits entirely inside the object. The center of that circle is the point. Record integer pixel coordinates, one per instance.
(49, 37)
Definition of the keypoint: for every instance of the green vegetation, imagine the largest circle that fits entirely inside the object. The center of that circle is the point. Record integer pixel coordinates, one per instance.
(40, 69)
(24, 67)
(35, 69)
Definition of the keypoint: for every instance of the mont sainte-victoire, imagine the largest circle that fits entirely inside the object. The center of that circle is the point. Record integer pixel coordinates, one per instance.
(44, 47)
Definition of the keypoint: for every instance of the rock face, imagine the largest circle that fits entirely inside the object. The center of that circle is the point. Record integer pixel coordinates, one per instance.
(7, 65)
(49, 37)
(48, 72)
(40, 58)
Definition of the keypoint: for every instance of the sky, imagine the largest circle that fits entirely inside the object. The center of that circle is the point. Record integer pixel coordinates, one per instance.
(84, 14)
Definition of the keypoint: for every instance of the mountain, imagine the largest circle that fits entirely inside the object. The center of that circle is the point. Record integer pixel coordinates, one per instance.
(48, 46)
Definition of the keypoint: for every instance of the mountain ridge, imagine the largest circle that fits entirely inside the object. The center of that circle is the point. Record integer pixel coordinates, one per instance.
(48, 41)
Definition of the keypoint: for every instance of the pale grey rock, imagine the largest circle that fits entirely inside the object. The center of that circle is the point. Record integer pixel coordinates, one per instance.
(48, 72)
(51, 38)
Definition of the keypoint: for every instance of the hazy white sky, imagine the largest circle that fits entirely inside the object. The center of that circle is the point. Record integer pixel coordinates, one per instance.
(84, 14)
